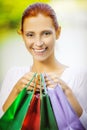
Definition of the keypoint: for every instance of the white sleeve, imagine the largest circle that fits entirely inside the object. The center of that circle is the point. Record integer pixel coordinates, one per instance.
(83, 119)
(82, 95)
(5, 89)
(12, 76)
(76, 78)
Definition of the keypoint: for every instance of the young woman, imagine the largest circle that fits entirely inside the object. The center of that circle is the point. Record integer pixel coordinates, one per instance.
(40, 30)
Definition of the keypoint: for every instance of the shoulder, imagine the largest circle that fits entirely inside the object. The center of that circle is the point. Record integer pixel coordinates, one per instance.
(16, 70)
(79, 73)
(76, 77)
(76, 72)
(14, 74)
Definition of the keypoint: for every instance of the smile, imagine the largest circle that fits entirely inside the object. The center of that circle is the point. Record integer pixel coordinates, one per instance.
(40, 51)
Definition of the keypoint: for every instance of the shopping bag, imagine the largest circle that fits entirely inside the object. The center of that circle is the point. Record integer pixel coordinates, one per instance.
(48, 121)
(14, 116)
(65, 116)
(32, 119)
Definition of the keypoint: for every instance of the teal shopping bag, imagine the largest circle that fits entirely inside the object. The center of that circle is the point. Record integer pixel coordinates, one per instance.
(48, 121)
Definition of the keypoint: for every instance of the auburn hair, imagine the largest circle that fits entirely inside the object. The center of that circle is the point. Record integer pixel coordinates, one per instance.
(39, 8)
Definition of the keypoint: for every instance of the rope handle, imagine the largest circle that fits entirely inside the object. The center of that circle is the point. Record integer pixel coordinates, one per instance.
(38, 78)
(33, 77)
(42, 84)
(36, 82)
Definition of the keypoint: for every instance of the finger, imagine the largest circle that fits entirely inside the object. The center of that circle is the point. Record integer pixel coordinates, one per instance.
(30, 88)
(19, 89)
(27, 79)
(50, 77)
(56, 79)
(28, 76)
(63, 84)
(51, 86)
(24, 83)
(49, 80)
(33, 88)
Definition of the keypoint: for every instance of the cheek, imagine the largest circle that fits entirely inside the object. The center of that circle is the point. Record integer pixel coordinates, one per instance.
(28, 43)
(28, 46)
(51, 42)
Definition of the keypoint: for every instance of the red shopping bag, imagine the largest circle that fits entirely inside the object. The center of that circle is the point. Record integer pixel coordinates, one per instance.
(32, 118)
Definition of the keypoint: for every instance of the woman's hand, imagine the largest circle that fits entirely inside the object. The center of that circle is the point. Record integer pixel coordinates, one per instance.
(21, 83)
(52, 80)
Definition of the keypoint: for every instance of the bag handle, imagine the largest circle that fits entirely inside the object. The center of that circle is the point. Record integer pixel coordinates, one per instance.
(33, 77)
(36, 82)
(40, 87)
(42, 84)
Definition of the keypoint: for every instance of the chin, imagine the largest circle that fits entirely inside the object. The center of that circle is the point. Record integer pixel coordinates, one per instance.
(40, 59)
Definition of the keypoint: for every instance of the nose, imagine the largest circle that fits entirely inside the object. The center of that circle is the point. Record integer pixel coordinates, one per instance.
(38, 42)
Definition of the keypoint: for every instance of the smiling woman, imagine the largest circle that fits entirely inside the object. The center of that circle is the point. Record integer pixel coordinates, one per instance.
(40, 30)
(40, 38)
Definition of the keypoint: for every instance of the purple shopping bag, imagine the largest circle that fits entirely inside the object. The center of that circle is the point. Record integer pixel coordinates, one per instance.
(65, 116)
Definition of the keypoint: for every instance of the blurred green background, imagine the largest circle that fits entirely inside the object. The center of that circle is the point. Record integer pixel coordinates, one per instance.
(71, 48)
(11, 12)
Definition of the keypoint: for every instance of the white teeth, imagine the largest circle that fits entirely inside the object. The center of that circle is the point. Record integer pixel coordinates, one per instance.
(39, 51)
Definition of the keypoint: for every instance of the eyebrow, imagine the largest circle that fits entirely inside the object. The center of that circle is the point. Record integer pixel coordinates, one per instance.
(49, 30)
(28, 31)
(46, 31)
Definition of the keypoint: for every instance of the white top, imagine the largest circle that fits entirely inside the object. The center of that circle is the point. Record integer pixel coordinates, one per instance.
(75, 78)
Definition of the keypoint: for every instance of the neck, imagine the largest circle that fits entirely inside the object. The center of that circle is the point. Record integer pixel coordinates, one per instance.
(50, 65)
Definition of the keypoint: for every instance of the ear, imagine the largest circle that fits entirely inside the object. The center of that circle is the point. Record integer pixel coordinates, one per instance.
(58, 32)
(19, 32)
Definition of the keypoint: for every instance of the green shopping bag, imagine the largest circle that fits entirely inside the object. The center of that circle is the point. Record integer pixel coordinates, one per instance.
(48, 121)
(14, 116)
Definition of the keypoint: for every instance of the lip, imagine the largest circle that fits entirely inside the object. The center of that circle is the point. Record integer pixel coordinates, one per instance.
(39, 51)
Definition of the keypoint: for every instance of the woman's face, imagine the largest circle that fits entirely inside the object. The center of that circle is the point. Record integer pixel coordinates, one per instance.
(39, 36)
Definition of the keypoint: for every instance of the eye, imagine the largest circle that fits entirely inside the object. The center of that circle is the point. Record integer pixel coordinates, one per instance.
(29, 35)
(46, 33)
